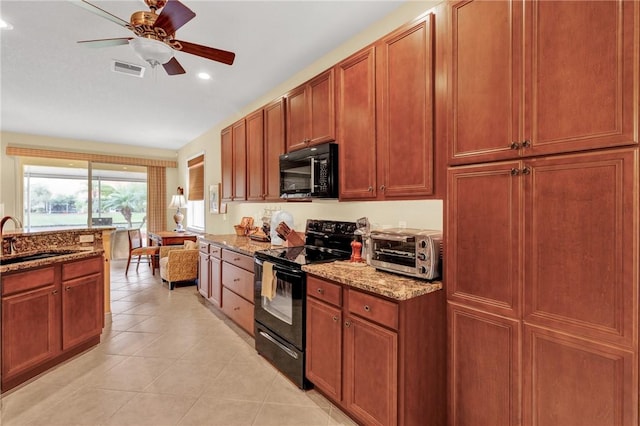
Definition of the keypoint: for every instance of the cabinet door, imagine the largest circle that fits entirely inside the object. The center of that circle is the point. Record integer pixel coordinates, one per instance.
(579, 75)
(81, 310)
(371, 372)
(226, 159)
(484, 368)
(203, 274)
(485, 80)
(405, 111)
(324, 347)
(215, 281)
(356, 110)
(321, 115)
(274, 146)
(484, 242)
(296, 102)
(581, 235)
(30, 329)
(238, 131)
(255, 156)
(570, 381)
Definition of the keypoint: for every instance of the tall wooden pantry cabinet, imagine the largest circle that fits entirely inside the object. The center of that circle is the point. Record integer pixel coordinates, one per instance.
(542, 213)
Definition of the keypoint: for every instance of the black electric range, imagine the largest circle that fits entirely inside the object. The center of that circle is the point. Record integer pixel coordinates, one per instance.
(280, 316)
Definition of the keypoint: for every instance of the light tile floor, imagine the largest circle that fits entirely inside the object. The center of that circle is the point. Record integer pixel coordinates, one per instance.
(165, 358)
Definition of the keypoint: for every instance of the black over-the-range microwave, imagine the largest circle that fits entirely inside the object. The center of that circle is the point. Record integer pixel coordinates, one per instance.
(310, 172)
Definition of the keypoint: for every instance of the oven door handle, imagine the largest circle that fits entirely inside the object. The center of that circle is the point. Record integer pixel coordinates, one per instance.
(277, 267)
(289, 352)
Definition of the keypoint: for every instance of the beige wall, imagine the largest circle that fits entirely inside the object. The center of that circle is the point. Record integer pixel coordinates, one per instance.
(418, 214)
(10, 170)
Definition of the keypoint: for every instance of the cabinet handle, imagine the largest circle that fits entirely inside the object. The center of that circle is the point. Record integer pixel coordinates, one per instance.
(320, 291)
(235, 259)
(382, 187)
(237, 308)
(347, 324)
(515, 172)
(367, 308)
(515, 145)
(54, 292)
(370, 189)
(235, 280)
(67, 288)
(526, 144)
(526, 170)
(335, 318)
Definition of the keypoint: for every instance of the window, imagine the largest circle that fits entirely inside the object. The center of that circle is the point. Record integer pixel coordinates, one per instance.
(56, 194)
(195, 194)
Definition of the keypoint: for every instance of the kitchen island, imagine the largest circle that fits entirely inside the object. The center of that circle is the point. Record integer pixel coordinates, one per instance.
(53, 295)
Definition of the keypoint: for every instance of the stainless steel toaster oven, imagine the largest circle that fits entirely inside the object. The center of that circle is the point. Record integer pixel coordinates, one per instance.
(412, 252)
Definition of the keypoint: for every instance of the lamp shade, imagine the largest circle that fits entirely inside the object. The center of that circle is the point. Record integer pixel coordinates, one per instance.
(153, 51)
(178, 202)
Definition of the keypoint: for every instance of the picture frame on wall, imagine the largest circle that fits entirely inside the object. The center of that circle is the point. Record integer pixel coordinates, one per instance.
(214, 198)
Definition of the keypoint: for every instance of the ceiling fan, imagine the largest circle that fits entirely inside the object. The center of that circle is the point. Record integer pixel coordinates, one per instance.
(155, 34)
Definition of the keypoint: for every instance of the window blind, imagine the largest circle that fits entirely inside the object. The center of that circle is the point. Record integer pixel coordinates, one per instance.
(196, 178)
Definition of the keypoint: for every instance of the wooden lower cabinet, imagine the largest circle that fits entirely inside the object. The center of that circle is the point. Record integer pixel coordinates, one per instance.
(209, 273)
(484, 366)
(237, 288)
(215, 280)
(363, 354)
(49, 314)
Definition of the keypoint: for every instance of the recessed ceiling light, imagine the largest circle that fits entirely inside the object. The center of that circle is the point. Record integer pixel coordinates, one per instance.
(5, 25)
(204, 76)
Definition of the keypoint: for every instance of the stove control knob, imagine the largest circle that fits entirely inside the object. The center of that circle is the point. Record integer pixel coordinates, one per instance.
(423, 270)
(422, 256)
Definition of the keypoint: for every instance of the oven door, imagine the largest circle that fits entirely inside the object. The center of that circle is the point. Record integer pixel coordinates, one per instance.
(284, 313)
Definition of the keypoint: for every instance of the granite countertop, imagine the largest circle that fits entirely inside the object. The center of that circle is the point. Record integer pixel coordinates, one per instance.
(244, 245)
(78, 253)
(368, 278)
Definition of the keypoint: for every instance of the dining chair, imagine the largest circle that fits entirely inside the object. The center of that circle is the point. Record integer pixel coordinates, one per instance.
(137, 248)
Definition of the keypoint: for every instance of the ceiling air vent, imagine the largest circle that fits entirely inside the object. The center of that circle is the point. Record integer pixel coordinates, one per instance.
(128, 69)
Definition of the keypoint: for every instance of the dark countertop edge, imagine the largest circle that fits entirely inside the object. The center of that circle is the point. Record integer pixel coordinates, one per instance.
(80, 254)
(407, 288)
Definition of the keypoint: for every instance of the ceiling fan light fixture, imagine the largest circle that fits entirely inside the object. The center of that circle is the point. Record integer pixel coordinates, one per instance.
(152, 51)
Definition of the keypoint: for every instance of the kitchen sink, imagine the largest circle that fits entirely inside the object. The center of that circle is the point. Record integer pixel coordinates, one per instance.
(36, 256)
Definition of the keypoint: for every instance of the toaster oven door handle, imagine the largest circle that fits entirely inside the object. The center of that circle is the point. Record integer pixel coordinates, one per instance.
(403, 238)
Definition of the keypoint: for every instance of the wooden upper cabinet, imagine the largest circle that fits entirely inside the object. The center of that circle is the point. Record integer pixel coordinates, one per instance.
(255, 155)
(405, 108)
(274, 146)
(385, 116)
(226, 158)
(356, 123)
(310, 113)
(239, 137)
(561, 81)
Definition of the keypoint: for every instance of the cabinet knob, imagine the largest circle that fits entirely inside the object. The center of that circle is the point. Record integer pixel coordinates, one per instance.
(382, 187)
(515, 172)
(67, 288)
(526, 170)
(320, 291)
(335, 318)
(235, 280)
(367, 308)
(54, 292)
(526, 144)
(515, 145)
(347, 324)
(237, 308)
(370, 189)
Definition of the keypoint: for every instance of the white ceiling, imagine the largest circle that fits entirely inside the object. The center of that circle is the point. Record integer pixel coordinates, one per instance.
(52, 86)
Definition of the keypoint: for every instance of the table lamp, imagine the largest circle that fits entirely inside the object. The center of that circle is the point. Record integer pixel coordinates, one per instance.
(178, 202)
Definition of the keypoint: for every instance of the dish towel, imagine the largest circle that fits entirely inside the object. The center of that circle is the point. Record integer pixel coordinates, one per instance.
(268, 281)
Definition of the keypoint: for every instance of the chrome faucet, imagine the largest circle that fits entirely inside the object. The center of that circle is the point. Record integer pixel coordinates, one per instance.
(17, 225)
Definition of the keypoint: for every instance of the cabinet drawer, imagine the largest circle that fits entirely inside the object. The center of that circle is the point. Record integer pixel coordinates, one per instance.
(374, 309)
(324, 290)
(240, 260)
(215, 251)
(23, 281)
(238, 280)
(203, 247)
(81, 268)
(238, 309)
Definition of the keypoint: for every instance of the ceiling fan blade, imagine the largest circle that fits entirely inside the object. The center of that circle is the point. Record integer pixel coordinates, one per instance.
(206, 52)
(173, 15)
(106, 42)
(173, 67)
(100, 12)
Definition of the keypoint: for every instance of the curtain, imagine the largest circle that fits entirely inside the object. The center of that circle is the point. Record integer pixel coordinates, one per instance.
(196, 178)
(156, 199)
